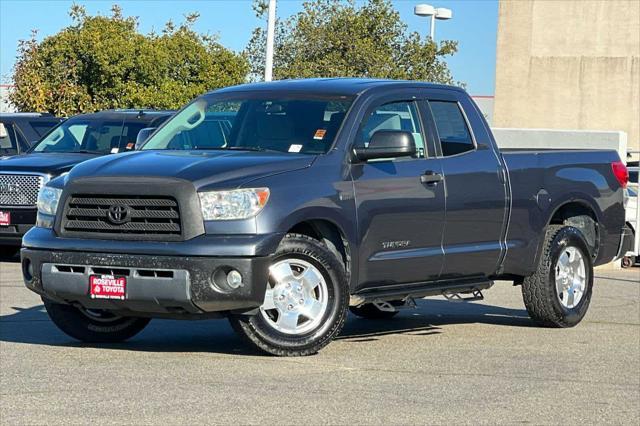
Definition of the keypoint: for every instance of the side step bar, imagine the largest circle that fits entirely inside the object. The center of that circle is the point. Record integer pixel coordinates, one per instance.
(450, 290)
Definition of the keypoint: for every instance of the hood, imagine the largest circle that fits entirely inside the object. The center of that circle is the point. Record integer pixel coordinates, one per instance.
(203, 168)
(47, 163)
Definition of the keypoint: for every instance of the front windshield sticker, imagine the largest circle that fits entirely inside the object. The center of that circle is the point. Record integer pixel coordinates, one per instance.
(295, 148)
(319, 134)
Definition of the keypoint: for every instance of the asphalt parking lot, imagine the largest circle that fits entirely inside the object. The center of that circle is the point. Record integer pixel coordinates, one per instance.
(481, 362)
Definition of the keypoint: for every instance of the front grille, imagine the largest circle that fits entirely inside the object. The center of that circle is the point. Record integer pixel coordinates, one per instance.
(19, 190)
(138, 216)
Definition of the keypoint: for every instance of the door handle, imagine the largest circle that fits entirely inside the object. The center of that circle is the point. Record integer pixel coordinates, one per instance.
(430, 178)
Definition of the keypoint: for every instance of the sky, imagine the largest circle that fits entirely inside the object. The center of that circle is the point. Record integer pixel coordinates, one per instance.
(474, 25)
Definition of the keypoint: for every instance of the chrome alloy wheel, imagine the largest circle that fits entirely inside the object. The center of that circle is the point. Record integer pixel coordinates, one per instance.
(296, 297)
(571, 278)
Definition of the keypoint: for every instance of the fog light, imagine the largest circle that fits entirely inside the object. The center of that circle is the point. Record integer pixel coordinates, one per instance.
(27, 270)
(234, 279)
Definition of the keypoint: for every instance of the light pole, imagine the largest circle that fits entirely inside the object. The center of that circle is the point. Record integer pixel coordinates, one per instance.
(271, 29)
(441, 13)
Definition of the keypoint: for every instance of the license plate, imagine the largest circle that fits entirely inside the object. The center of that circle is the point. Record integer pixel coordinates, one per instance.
(107, 287)
(5, 218)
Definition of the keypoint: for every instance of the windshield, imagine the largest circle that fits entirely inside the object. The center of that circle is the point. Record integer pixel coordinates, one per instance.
(90, 135)
(260, 123)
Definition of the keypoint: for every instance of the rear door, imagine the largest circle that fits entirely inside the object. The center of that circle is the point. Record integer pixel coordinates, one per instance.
(476, 200)
(400, 218)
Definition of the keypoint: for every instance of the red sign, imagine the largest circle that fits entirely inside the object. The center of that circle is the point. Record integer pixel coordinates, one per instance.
(5, 218)
(107, 287)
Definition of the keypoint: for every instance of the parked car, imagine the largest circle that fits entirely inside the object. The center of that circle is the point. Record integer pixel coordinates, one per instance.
(19, 131)
(73, 141)
(631, 207)
(329, 195)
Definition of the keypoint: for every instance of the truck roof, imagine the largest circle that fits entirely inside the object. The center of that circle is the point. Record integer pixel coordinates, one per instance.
(337, 86)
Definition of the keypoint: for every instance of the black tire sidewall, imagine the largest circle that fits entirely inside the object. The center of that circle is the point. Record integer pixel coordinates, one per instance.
(74, 323)
(570, 237)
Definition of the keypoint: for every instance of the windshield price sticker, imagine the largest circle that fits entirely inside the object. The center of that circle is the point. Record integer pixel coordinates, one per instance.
(319, 134)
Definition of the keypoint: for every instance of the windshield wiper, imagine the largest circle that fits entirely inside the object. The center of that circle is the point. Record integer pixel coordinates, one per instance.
(251, 148)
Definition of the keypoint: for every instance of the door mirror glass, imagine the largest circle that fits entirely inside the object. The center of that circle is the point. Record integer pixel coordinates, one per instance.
(388, 144)
(143, 135)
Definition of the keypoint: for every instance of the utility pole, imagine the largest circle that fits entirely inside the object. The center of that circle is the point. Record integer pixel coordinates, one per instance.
(271, 29)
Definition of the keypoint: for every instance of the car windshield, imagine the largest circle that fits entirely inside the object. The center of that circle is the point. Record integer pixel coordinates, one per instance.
(257, 123)
(90, 135)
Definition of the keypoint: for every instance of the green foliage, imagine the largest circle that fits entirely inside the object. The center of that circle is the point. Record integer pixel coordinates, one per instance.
(332, 38)
(103, 62)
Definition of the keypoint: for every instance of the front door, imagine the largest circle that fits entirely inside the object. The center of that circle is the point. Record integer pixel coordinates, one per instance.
(400, 215)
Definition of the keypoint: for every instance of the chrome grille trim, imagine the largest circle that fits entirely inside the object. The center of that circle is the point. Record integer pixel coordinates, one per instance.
(21, 189)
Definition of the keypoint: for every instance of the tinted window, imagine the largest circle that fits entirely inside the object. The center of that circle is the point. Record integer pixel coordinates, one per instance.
(256, 123)
(129, 134)
(393, 116)
(75, 135)
(8, 138)
(452, 128)
(42, 127)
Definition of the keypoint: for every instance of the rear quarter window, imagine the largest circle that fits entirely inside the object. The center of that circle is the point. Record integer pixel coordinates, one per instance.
(453, 132)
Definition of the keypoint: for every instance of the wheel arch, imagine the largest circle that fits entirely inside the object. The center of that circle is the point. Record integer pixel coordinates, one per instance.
(330, 234)
(581, 214)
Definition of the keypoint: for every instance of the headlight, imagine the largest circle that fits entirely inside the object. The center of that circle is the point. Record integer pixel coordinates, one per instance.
(48, 198)
(230, 205)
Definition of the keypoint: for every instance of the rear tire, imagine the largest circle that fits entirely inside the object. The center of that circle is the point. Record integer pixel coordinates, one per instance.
(93, 326)
(305, 304)
(559, 292)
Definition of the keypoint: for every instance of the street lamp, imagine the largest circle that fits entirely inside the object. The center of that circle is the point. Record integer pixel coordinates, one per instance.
(271, 29)
(441, 13)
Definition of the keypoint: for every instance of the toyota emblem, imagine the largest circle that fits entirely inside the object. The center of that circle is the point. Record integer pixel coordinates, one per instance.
(118, 214)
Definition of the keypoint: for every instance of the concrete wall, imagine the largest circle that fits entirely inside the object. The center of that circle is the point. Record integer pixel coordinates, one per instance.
(485, 103)
(560, 139)
(569, 64)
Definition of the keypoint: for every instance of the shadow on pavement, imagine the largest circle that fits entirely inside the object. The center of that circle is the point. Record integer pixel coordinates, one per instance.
(32, 326)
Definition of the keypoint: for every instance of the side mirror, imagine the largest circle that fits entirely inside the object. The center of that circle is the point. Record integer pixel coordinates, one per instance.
(143, 135)
(387, 144)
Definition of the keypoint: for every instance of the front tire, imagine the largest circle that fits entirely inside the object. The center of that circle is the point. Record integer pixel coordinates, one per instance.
(559, 293)
(305, 303)
(93, 326)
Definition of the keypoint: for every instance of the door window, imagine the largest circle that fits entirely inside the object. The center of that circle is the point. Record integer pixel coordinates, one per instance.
(393, 116)
(453, 132)
(8, 137)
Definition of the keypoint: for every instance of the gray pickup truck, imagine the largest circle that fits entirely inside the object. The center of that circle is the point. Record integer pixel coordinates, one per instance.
(314, 198)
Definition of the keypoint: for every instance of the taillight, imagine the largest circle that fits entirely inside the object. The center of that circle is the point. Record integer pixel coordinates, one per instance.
(620, 172)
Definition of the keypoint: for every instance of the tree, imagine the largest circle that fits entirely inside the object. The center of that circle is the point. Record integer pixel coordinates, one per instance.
(332, 38)
(103, 62)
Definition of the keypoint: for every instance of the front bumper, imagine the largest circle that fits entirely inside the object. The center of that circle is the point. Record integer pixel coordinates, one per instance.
(173, 286)
(22, 220)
